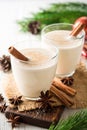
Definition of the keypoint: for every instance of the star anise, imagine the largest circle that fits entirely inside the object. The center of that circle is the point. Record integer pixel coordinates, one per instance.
(34, 27)
(14, 120)
(16, 100)
(3, 107)
(5, 63)
(67, 80)
(1, 98)
(46, 101)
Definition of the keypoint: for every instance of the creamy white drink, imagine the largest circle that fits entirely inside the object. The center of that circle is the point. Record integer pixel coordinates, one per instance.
(36, 75)
(69, 50)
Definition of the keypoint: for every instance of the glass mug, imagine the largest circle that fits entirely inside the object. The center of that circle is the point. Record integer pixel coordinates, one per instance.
(36, 75)
(69, 48)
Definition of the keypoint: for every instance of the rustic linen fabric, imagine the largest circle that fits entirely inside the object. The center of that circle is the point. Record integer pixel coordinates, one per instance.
(80, 84)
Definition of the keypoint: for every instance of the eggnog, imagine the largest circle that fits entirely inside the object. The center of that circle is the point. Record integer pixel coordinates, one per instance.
(36, 75)
(69, 50)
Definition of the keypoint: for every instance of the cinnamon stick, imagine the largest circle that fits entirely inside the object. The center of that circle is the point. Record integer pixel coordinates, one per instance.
(62, 96)
(77, 29)
(17, 54)
(70, 91)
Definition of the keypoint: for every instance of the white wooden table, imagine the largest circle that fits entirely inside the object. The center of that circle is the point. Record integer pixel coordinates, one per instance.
(10, 11)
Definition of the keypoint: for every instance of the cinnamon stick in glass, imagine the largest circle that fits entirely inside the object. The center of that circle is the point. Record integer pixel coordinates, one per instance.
(13, 51)
(77, 29)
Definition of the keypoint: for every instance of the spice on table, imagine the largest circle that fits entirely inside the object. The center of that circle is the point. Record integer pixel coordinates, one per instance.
(68, 90)
(67, 81)
(16, 100)
(64, 98)
(14, 120)
(45, 100)
(3, 107)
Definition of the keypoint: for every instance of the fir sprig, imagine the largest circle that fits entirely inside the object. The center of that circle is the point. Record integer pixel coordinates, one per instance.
(55, 13)
(77, 121)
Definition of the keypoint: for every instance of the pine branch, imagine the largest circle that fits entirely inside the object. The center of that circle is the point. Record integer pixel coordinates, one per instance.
(68, 6)
(77, 121)
(56, 13)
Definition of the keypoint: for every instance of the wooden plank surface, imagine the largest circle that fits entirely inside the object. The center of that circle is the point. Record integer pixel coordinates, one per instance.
(4, 125)
(37, 117)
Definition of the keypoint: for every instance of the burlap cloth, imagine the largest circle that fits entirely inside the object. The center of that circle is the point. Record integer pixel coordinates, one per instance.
(80, 84)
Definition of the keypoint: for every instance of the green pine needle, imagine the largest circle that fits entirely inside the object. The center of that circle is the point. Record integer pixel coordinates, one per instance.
(77, 121)
(55, 13)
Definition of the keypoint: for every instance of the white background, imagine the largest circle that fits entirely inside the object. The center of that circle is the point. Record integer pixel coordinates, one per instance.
(12, 10)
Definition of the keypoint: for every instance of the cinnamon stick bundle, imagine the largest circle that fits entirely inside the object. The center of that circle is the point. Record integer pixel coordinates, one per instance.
(67, 101)
(68, 90)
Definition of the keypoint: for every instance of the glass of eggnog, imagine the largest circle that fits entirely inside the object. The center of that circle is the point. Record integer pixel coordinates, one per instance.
(69, 47)
(35, 75)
